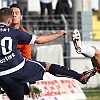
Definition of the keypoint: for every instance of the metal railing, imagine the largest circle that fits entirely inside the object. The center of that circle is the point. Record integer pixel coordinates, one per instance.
(45, 23)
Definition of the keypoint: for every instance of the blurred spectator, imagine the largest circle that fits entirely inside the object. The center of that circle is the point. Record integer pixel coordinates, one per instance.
(43, 5)
(9, 2)
(64, 7)
(24, 6)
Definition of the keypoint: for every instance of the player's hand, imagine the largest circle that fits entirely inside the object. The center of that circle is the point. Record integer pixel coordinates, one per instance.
(35, 91)
(62, 32)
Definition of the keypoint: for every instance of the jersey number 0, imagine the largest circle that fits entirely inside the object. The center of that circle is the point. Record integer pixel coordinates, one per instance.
(6, 50)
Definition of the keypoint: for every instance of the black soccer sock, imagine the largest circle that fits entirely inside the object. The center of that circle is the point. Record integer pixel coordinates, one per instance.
(62, 71)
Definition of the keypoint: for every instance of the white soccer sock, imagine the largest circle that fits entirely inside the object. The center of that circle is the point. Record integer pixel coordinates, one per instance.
(88, 51)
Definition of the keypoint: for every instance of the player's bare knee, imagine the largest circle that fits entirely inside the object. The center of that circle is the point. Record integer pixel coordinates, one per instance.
(47, 66)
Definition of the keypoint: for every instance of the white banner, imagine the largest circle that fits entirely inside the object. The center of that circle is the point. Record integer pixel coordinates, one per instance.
(60, 88)
(51, 54)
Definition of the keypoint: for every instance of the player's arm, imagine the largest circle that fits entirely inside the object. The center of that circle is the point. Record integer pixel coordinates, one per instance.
(48, 38)
(28, 38)
(25, 49)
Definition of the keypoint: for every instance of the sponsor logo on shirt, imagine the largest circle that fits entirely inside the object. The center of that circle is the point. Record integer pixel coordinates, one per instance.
(7, 58)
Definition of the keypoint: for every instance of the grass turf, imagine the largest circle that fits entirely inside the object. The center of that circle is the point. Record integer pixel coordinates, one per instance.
(92, 95)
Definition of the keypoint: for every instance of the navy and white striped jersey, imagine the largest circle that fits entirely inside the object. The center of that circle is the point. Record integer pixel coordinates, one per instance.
(10, 57)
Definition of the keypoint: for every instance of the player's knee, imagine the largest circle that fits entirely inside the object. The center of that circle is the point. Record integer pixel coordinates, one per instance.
(47, 66)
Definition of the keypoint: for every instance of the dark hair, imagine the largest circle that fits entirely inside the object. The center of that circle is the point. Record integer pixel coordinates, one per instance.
(5, 14)
(16, 6)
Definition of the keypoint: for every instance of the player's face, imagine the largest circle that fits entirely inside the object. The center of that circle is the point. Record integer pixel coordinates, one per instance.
(17, 17)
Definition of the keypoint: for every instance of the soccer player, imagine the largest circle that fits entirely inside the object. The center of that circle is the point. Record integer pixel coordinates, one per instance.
(25, 49)
(15, 70)
(88, 51)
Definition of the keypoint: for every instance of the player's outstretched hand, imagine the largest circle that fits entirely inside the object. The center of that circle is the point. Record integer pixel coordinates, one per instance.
(62, 32)
(35, 91)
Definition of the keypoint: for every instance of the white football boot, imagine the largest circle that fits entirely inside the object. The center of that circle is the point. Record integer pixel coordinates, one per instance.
(77, 41)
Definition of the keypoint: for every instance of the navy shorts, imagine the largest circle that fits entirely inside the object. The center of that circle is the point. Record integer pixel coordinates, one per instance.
(32, 71)
(13, 84)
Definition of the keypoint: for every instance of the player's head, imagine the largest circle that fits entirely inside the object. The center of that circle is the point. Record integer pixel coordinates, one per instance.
(16, 6)
(17, 17)
(6, 15)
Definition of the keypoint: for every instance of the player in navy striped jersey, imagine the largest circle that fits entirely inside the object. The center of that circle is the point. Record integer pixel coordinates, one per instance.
(16, 70)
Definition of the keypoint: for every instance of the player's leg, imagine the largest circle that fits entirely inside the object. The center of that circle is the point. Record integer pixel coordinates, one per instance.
(32, 71)
(62, 71)
(37, 69)
(26, 89)
(96, 58)
(13, 89)
(87, 51)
